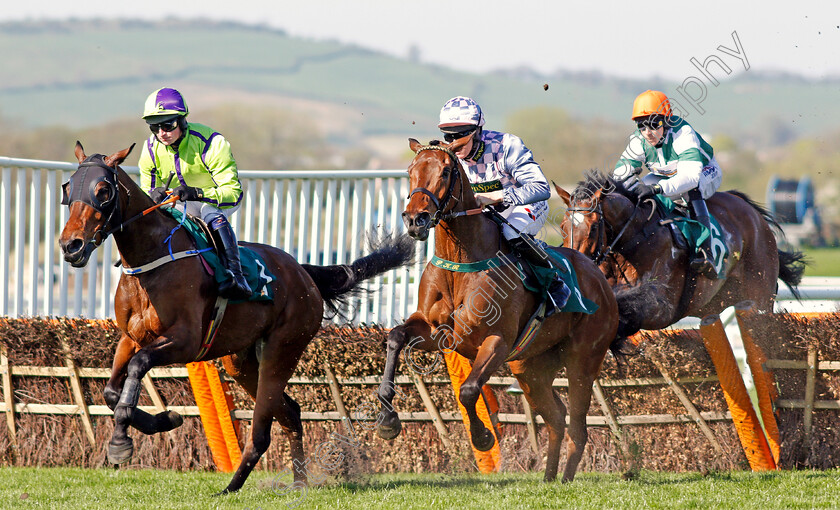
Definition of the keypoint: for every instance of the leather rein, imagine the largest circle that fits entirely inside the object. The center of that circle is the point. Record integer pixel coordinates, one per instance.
(602, 253)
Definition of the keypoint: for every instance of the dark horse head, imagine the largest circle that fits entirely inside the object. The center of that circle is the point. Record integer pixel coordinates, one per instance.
(94, 199)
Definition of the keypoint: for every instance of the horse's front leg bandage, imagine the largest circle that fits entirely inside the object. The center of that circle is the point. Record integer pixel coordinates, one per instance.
(130, 393)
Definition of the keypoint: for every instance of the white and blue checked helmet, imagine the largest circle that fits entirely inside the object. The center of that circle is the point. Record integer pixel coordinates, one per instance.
(459, 111)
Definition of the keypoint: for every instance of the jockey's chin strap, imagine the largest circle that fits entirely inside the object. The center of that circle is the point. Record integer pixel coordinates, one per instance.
(441, 214)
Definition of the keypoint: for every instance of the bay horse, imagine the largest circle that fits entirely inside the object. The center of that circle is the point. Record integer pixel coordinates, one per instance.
(163, 313)
(648, 267)
(480, 314)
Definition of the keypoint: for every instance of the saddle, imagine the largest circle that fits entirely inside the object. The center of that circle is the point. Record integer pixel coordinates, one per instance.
(688, 234)
(253, 266)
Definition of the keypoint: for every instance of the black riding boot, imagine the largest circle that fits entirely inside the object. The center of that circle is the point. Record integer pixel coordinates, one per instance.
(702, 262)
(558, 291)
(236, 287)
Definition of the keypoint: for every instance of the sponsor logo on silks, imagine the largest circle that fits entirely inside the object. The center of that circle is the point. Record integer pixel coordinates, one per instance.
(484, 187)
(530, 214)
(479, 152)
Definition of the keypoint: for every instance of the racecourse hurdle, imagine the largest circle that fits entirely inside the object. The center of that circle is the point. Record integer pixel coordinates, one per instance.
(347, 383)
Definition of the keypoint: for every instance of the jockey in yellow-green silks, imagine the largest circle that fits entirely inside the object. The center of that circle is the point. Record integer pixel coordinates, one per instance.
(208, 180)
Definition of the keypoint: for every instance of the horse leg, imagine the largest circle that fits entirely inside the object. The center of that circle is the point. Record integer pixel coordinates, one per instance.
(264, 380)
(121, 447)
(415, 330)
(490, 357)
(144, 422)
(644, 306)
(536, 376)
(581, 373)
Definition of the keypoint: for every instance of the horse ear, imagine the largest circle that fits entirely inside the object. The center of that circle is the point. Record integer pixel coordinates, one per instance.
(80, 152)
(564, 195)
(597, 195)
(414, 144)
(118, 157)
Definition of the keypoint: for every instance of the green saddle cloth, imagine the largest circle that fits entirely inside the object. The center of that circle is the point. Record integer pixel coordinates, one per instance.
(695, 233)
(544, 276)
(253, 266)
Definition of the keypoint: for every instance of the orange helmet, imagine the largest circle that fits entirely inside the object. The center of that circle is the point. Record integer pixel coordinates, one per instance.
(651, 102)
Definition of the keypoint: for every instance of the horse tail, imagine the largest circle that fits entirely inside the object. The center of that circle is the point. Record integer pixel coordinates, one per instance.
(338, 283)
(791, 267)
(791, 263)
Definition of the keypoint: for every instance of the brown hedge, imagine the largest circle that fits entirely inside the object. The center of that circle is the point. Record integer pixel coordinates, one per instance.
(355, 352)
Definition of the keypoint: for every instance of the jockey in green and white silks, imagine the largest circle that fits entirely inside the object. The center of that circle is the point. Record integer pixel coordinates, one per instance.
(682, 161)
(206, 173)
(682, 164)
(502, 170)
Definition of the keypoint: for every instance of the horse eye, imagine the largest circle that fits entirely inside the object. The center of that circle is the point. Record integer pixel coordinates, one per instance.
(103, 194)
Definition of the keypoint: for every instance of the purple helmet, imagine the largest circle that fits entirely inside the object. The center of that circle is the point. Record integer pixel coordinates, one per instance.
(164, 104)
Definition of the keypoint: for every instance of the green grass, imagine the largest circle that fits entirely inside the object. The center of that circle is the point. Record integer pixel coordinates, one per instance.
(142, 489)
(822, 261)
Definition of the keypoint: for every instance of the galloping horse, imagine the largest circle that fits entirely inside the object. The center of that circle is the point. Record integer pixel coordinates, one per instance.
(163, 312)
(648, 268)
(462, 311)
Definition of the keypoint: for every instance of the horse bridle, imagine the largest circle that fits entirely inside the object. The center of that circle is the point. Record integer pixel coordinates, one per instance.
(440, 204)
(599, 256)
(92, 171)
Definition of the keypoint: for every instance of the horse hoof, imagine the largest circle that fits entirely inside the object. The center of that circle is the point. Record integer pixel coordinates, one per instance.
(390, 431)
(484, 440)
(120, 451)
(168, 420)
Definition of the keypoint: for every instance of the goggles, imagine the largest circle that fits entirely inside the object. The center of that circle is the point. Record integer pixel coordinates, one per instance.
(167, 126)
(651, 124)
(451, 137)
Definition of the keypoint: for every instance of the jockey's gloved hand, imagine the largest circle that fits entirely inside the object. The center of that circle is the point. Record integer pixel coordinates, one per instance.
(647, 191)
(158, 194)
(185, 193)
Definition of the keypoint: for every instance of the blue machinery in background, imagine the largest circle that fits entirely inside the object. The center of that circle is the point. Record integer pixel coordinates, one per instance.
(789, 200)
(792, 203)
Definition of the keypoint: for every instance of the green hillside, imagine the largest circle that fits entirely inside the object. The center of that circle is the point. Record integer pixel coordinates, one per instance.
(287, 102)
(84, 73)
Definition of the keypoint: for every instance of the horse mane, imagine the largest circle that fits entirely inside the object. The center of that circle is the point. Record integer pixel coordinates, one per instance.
(764, 212)
(595, 180)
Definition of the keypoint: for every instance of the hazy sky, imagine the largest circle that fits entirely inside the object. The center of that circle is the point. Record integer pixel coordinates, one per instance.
(632, 39)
